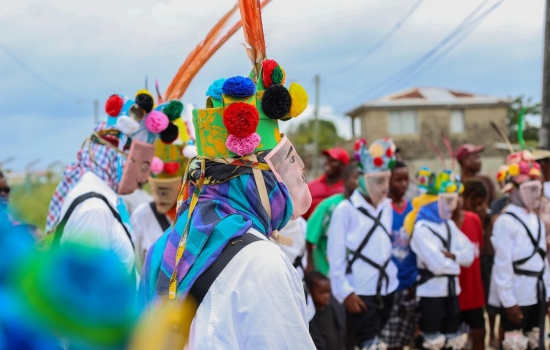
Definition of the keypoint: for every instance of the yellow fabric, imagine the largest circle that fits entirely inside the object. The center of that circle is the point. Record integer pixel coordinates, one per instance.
(417, 203)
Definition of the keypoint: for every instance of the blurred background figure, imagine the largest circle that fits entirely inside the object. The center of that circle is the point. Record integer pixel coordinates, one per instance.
(330, 183)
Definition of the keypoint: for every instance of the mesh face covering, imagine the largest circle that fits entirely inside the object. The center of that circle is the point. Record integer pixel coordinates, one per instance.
(287, 166)
(375, 186)
(165, 193)
(530, 193)
(137, 167)
(447, 203)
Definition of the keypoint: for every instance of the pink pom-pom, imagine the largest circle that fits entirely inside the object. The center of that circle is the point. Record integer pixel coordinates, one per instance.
(524, 168)
(156, 122)
(157, 165)
(243, 145)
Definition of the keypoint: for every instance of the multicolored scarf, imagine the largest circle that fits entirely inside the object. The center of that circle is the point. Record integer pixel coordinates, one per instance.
(226, 209)
(98, 159)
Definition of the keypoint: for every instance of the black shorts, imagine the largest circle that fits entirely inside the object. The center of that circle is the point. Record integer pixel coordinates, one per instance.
(435, 316)
(368, 325)
(530, 320)
(473, 318)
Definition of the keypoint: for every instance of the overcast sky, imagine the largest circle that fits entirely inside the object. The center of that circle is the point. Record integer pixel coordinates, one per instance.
(92, 49)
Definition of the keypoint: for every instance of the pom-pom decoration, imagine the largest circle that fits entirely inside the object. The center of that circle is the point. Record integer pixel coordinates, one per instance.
(156, 122)
(157, 165)
(360, 142)
(145, 102)
(239, 87)
(513, 170)
(127, 125)
(276, 102)
(501, 176)
(171, 168)
(378, 161)
(170, 134)
(272, 73)
(241, 119)
(243, 145)
(113, 106)
(136, 112)
(376, 150)
(534, 173)
(389, 153)
(524, 168)
(536, 166)
(216, 89)
(190, 151)
(299, 99)
(173, 110)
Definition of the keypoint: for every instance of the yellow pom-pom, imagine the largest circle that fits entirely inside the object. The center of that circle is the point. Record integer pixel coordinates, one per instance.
(501, 176)
(451, 188)
(376, 150)
(535, 173)
(513, 170)
(299, 99)
(284, 76)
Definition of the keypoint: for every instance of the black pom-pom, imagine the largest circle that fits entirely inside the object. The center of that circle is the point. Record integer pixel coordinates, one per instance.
(276, 101)
(145, 102)
(170, 134)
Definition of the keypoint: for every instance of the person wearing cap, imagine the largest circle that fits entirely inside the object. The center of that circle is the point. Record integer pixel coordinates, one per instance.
(542, 157)
(362, 272)
(521, 273)
(468, 156)
(441, 249)
(330, 183)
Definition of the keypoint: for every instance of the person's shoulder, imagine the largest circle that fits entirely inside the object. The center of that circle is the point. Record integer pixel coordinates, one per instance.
(141, 210)
(472, 217)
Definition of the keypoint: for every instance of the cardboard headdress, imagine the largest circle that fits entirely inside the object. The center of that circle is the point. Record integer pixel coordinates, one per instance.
(379, 157)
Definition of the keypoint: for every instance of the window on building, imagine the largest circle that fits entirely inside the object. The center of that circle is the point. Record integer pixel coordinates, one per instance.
(457, 121)
(402, 123)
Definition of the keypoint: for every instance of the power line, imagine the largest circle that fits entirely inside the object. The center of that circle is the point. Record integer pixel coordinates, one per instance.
(37, 76)
(466, 24)
(383, 40)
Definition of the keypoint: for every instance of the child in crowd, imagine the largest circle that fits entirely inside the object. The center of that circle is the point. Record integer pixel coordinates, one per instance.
(360, 249)
(324, 325)
(400, 328)
(472, 298)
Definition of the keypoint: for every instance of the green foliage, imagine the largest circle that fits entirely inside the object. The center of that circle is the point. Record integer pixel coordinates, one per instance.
(530, 132)
(302, 136)
(29, 202)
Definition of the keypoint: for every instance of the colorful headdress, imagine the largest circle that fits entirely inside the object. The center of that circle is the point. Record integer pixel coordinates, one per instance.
(377, 158)
(433, 183)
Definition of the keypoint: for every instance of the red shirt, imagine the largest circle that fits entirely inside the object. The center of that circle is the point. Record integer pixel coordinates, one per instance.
(320, 190)
(472, 296)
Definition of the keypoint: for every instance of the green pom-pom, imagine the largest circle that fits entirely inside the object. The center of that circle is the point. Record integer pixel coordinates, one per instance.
(391, 164)
(277, 75)
(173, 110)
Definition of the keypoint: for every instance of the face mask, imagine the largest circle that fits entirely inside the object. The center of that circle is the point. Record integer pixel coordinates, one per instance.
(447, 203)
(375, 186)
(287, 166)
(137, 167)
(165, 193)
(530, 193)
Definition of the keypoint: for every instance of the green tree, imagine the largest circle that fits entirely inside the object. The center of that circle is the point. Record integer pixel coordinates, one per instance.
(530, 132)
(302, 136)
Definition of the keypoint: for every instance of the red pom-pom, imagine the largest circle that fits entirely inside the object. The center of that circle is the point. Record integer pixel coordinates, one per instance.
(422, 180)
(113, 106)
(241, 119)
(536, 165)
(358, 143)
(389, 153)
(378, 161)
(268, 67)
(171, 168)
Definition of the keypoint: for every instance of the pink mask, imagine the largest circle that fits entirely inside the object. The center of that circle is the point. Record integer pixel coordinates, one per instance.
(530, 193)
(446, 204)
(137, 167)
(377, 186)
(288, 168)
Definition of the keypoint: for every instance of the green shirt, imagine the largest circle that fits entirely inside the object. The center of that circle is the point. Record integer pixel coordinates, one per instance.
(317, 226)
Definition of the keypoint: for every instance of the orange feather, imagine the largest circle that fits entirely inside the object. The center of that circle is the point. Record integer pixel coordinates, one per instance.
(251, 15)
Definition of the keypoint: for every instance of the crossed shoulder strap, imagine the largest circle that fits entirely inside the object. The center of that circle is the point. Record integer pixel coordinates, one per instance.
(534, 241)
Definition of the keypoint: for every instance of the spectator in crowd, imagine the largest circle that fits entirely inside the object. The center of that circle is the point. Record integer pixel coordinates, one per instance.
(542, 157)
(400, 328)
(4, 189)
(471, 298)
(331, 182)
(324, 325)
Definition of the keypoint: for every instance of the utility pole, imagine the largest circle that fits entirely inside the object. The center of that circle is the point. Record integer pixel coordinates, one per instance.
(544, 132)
(96, 111)
(316, 150)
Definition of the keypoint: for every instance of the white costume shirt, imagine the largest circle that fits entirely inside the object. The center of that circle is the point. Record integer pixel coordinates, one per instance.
(511, 243)
(146, 229)
(348, 227)
(135, 199)
(429, 255)
(93, 222)
(257, 302)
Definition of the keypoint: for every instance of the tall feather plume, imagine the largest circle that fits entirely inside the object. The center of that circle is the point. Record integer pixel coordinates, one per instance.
(449, 147)
(521, 140)
(201, 54)
(251, 15)
(435, 150)
(503, 137)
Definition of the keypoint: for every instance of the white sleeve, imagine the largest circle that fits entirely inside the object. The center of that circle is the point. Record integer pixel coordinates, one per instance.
(503, 270)
(89, 226)
(138, 235)
(303, 229)
(424, 245)
(337, 251)
(464, 249)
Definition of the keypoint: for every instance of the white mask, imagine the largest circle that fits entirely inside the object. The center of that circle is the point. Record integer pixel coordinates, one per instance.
(530, 193)
(446, 204)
